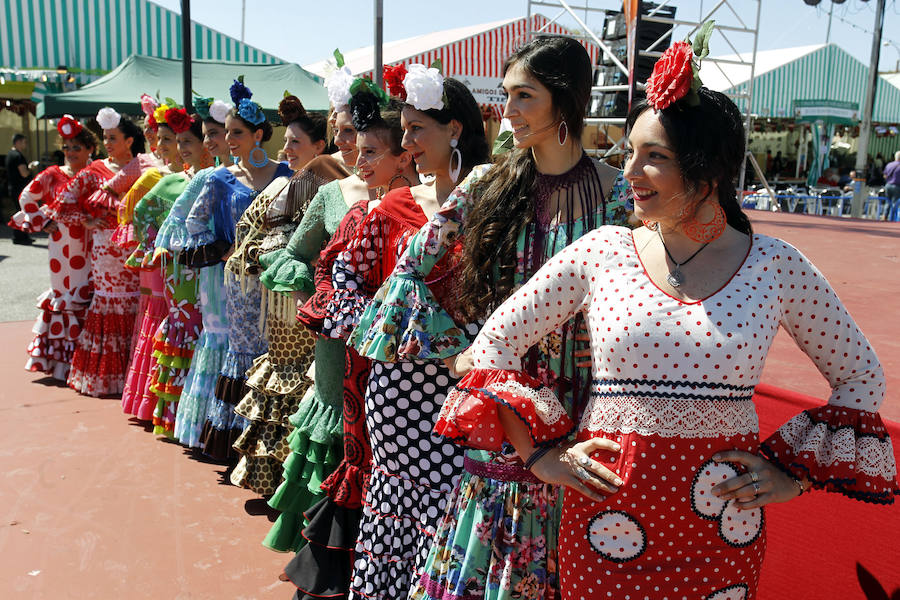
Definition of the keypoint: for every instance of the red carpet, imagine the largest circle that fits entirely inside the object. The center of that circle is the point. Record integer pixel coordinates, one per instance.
(818, 541)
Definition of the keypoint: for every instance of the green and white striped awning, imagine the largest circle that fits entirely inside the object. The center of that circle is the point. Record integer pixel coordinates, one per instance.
(820, 72)
(98, 35)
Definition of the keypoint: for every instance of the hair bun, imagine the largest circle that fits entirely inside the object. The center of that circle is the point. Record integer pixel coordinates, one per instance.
(290, 109)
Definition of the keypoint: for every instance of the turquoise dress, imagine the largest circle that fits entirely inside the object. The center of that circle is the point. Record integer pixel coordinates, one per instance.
(497, 538)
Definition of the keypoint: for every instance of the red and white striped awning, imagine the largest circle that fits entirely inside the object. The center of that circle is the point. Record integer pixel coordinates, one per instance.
(474, 55)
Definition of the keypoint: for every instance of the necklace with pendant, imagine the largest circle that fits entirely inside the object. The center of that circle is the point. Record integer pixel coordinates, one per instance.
(675, 276)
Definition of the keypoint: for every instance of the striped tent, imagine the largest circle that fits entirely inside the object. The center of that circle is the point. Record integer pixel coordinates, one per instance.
(474, 54)
(98, 35)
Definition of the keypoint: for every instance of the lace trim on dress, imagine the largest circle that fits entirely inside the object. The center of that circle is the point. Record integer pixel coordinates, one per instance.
(670, 417)
(547, 407)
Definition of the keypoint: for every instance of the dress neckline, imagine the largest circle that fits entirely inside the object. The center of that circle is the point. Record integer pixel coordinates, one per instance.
(753, 242)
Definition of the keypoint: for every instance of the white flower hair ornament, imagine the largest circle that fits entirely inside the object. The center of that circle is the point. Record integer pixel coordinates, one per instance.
(108, 118)
(424, 87)
(338, 85)
(218, 110)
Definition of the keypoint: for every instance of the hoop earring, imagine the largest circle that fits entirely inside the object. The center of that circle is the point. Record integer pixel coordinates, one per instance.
(258, 162)
(390, 184)
(706, 232)
(454, 171)
(562, 133)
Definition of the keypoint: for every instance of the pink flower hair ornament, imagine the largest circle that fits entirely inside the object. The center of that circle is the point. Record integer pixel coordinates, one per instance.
(676, 75)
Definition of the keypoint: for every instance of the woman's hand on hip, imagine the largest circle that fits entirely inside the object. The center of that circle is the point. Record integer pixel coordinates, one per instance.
(762, 484)
(571, 465)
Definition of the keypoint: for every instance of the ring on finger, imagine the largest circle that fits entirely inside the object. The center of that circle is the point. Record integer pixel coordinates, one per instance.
(754, 476)
(584, 461)
(755, 488)
(580, 473)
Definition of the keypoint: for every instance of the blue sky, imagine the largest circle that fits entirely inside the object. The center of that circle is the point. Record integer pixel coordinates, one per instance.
(305, 31)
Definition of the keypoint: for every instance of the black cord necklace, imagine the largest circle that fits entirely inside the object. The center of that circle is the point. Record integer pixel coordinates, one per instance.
(676, 277)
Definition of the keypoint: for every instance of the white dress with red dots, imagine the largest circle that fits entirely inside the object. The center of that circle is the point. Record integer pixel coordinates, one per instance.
(672, 383)
(62, 306)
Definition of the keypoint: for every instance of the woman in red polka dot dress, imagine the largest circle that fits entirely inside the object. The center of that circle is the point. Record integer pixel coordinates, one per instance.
(63, 305)
(667, 473)
(100, 361)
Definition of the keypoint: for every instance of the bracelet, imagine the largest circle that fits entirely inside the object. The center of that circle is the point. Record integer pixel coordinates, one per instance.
(536, 456)
(799, 485)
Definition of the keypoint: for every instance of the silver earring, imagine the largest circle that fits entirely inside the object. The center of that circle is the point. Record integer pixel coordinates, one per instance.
(562, 133)
(454, 171)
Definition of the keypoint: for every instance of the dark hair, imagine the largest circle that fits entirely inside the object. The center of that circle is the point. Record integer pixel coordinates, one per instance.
(368, 116)
(18, 138)
(504, 203)
(708, 140)
(291, 111)
(130, 129)
(196, 128)
(461, 106)
(263, 126)
(87, 139)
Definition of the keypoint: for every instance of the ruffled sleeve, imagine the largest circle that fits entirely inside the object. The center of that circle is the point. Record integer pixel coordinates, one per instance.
(550, 298)
(843, 446)
(129, 234)
(34, 214)
(252, 228)
(68, 207)
(173, 234)
(404, 320)
(202, 248)
(148, 216)
(291, 268)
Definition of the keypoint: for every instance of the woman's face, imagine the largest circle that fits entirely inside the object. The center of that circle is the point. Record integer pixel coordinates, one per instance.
(529, 108)
(240, 138)
(166, 146)
(376, 164)
(427, 140)
(345, 136)
(299, 149)
(191, 149)
(116, 144)
(652, 169)
(214, 139)
(77, 155)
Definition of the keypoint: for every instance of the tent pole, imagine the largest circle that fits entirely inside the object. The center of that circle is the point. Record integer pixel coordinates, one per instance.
(862, 148)
(186, 52)
(378, 69)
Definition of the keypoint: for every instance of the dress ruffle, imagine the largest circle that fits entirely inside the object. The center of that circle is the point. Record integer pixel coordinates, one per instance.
(323, 567)
(348, 483)
(843, 450)
(274, 380)
(284, 273)
(404, 321)
(344, 309)
(58, 301)
(199, 387)
(469, 414)
(55, 335)
(100, 360)
(29, 222)
(137, 399)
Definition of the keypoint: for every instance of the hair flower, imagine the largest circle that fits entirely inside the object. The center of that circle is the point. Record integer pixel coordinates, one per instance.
(424, 87)
(148, 104)
(160, 113)
(338, 86)
(250, 111)
(108, 118)
(676, 74)
(179, 119)
(239, 91)
(68, 127)
(201, 107)
(393, 79)
(218, 110)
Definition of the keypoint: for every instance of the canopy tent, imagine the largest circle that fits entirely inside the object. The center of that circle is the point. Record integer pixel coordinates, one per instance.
(121, 89)
(98, 35)
(474, 54)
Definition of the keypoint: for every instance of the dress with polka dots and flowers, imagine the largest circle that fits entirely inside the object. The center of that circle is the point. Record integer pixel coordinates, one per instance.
(673, 384)
(497, 538)
(63, 305)
(414, 471)
(100, 360)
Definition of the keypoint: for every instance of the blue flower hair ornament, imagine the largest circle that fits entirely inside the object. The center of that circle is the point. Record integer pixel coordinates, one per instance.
(239, 91)
(250, 111)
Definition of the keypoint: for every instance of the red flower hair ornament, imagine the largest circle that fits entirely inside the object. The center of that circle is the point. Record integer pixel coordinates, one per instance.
(179, 119)
(68, 127)
(393, 79)
(676, 75)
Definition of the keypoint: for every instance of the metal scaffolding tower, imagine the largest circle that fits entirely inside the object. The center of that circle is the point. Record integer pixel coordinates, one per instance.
(737, 24)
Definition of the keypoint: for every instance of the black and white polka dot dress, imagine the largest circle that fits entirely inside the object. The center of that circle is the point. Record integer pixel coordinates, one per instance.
(414, 473)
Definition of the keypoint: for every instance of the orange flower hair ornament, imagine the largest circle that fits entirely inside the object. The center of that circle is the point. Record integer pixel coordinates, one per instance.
(676, 75)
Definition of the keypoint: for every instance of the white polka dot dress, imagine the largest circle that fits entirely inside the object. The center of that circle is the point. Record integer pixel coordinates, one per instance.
(414, 473)
(673, 384)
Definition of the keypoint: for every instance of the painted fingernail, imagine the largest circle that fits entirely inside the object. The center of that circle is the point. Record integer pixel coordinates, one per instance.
(616, 447)
(618, 481)
(717, 457)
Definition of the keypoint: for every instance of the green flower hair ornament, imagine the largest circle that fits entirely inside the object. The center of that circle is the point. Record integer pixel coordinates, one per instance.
(201, 107)
(364, 84)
